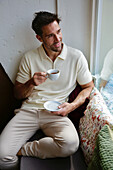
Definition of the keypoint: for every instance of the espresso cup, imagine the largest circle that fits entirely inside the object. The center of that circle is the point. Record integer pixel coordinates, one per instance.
(53, 74)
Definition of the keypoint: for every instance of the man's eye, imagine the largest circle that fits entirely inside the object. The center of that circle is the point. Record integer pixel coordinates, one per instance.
(51, 35)
(59, 31)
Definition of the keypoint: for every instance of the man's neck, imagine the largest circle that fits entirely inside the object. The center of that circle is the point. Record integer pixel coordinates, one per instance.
(53, 55)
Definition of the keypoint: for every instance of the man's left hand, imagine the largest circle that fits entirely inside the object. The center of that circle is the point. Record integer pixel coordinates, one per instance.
(65, 108)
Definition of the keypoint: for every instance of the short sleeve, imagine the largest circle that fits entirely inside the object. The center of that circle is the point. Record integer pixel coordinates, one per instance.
(24, 74)
(83, 74)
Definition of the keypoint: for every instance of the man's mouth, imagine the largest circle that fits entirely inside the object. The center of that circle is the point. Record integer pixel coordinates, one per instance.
(58, 44)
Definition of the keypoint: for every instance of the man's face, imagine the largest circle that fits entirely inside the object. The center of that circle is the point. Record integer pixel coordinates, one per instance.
(52, 37)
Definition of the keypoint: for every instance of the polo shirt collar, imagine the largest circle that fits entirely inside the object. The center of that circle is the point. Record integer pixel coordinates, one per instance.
(62, 54)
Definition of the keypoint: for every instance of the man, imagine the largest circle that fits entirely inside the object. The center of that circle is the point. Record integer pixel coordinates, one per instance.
(33, 85)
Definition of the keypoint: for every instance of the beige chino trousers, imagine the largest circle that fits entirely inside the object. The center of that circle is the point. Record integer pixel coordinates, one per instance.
(62, 139)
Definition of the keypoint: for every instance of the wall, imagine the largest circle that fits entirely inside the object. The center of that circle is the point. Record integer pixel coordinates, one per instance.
(17, 37)
(76, 24)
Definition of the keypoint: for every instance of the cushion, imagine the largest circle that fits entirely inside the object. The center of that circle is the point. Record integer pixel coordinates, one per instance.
(103, 153)
(7, 101)
(77, 159)
(75, 115)
(30, 163)
(96, 116)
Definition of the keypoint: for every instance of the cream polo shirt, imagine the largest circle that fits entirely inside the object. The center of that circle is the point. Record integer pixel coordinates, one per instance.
(73, 68)
(107, 69)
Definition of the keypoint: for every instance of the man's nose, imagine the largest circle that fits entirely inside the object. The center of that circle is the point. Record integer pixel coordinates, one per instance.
(57, 37)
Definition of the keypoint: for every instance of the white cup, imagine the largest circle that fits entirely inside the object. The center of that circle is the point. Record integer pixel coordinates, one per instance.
(53, 74)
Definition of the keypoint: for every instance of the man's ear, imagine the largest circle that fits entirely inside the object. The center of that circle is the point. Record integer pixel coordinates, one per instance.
(39, 38)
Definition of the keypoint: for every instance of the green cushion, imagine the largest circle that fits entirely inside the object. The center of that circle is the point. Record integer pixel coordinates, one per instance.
(103, 153)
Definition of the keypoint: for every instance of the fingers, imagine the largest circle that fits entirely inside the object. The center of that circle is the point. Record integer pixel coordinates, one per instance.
(39, 77)
(40, 74)
(62, 105)
(63, 110)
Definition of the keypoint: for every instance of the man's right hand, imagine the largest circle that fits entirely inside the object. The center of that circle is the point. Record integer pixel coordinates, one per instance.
(39, 78)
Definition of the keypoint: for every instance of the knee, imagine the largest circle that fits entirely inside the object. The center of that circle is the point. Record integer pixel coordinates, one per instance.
(4, 150)
(69, 146)
(7, 160)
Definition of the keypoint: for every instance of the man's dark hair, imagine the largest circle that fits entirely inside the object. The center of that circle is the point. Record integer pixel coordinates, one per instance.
(43, 18)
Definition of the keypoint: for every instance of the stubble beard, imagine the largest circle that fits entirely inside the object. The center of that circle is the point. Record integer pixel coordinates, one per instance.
(56, 49)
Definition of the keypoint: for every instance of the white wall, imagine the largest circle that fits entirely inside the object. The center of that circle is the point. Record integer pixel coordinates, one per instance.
(16, 35)
(76, 23)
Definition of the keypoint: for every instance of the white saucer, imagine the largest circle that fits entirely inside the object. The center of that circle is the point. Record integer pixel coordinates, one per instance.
(52, 105)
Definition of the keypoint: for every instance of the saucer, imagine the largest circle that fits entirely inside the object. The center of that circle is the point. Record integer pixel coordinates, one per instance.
(52, 105)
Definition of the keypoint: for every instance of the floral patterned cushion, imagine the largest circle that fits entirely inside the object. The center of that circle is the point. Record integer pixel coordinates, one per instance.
(96, 116)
